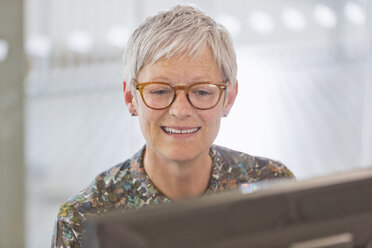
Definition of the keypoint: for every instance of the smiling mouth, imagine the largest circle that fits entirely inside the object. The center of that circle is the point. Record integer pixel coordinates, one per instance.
(169, 130)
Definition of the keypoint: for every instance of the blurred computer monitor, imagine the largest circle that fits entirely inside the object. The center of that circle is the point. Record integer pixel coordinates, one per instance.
(327, 212)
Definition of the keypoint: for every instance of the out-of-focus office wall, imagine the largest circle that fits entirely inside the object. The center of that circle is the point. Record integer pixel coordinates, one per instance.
(12, 170)
(305, 88)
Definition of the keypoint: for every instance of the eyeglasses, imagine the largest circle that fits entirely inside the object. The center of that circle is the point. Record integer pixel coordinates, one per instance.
(159, 95)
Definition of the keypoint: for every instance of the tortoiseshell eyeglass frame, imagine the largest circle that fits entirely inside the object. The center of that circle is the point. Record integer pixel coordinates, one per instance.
(140, 86)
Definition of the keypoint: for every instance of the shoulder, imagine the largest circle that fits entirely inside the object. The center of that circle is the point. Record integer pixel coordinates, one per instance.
(250, 168)
(106, 191)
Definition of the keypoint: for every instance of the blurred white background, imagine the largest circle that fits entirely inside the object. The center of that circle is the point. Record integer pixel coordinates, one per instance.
(305, 90)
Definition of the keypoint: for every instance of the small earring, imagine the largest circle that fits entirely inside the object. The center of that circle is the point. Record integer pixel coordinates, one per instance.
(225, 115)
(134, 114)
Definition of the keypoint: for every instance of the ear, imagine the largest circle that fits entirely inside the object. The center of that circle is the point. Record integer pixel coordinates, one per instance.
(232, 92)
(129, 98)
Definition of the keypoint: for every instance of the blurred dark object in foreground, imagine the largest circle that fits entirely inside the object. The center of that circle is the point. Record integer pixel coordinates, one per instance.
(333, 211)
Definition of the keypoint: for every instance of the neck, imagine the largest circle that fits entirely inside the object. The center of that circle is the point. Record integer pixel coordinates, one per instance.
(178, 179)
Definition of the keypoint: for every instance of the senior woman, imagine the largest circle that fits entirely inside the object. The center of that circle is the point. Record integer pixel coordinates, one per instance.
(180, 80)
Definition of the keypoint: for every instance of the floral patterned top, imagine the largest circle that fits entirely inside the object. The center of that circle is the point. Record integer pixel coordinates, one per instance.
(127, 186)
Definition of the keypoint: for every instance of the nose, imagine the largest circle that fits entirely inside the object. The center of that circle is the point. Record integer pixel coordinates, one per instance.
(181, 107)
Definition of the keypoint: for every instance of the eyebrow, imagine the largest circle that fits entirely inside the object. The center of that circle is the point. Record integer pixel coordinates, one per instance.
(160, 79)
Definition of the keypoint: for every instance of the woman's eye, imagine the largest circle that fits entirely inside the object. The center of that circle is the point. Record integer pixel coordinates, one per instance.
(201, 92)
(160, 92)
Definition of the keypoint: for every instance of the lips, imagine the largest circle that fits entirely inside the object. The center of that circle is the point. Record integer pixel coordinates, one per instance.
(172, 130)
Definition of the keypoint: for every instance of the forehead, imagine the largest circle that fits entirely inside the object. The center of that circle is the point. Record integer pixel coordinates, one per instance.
(183, 68)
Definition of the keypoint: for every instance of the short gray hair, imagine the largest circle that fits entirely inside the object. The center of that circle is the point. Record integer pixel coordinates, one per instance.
(181, 30)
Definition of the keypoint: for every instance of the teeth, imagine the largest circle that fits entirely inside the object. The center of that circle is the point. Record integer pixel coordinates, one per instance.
(175, 131)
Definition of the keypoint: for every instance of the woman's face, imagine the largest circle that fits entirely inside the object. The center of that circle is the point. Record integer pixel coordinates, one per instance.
(161, 128)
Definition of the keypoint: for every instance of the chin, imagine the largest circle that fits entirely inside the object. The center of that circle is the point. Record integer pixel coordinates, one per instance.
(181, 153)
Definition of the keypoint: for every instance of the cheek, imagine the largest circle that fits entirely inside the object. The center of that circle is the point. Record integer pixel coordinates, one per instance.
(212, 120)
(149, 120)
